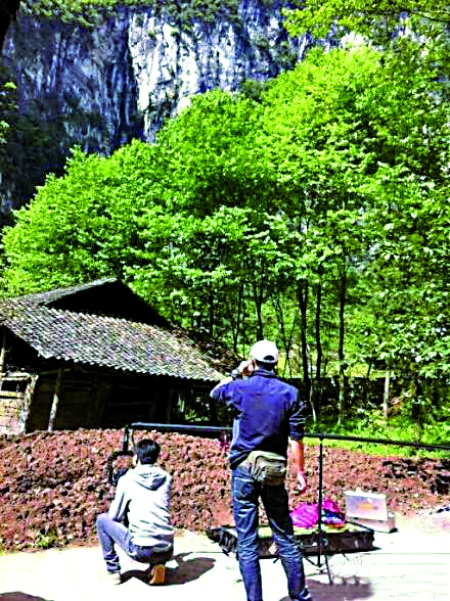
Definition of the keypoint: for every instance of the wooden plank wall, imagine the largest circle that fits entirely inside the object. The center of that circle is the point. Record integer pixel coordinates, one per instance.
(39, 408)
(87, 399)
(143, 400)
(13, 400)
(91, 400)
(10, 409)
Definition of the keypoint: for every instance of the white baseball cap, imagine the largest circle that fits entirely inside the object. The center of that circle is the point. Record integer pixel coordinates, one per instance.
(264, 351)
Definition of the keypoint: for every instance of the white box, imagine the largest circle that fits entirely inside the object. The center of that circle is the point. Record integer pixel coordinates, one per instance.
(369, 509)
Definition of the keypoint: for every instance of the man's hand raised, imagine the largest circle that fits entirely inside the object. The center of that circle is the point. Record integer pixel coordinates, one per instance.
(302, 482)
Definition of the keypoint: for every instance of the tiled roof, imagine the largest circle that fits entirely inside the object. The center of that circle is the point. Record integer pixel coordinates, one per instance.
(104, 341)
(50, 296)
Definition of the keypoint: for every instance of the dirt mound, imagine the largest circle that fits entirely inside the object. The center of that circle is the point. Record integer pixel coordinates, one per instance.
(53, 485)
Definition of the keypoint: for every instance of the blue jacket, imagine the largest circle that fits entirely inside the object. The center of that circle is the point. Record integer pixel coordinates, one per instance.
(267, 412)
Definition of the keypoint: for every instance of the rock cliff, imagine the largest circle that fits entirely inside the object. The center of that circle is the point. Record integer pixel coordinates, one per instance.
(100, 86)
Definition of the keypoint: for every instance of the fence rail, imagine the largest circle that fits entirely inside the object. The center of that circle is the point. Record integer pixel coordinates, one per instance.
(217, 431)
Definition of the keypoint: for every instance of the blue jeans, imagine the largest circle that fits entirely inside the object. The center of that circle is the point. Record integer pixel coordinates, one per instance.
(246, 492)
(110, 533)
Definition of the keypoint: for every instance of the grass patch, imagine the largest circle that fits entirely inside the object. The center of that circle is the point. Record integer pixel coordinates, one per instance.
(395, 430)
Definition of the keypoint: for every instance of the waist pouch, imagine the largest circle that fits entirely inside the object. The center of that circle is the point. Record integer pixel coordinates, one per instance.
(267, 468)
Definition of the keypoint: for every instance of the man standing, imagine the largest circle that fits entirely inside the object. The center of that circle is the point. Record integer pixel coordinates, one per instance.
(268, 415)
(142, 501)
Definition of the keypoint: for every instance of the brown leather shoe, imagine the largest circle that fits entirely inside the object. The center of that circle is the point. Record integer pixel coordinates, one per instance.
(157, 574)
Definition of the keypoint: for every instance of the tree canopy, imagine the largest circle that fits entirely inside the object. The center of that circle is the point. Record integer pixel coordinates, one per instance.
(312, 210)
(368, 16)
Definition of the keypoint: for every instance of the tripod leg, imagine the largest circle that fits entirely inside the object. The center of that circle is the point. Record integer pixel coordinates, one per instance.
(327, 565)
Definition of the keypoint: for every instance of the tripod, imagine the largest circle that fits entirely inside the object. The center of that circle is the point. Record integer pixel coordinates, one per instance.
(321, 540)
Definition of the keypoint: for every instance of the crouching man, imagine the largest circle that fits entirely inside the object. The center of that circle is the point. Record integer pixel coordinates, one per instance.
(138, 520)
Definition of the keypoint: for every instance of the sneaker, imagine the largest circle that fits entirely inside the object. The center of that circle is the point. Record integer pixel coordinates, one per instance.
(114, 578)
(305, 596)
(157, 574)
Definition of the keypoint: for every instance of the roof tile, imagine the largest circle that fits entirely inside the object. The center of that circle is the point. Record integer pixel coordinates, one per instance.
(105, 341)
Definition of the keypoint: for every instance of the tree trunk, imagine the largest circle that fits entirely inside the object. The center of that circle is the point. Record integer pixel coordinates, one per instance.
(386, 394)
(286, 337)
(211, 315)
(258, 296)
(234, 312)
(319, 351)
(342, 300)
(302, 296)
(316, 390)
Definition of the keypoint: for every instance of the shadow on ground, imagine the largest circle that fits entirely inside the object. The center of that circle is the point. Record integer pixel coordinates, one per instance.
(186, 570)
(342, 591)
(17, 596)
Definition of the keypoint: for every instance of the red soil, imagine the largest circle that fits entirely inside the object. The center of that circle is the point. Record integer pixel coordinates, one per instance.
(53, 485)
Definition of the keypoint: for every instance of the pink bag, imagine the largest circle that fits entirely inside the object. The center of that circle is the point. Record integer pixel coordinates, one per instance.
(305, 515)
(332, 514)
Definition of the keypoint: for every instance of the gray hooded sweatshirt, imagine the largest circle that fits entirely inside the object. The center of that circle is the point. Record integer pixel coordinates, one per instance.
(143, 496)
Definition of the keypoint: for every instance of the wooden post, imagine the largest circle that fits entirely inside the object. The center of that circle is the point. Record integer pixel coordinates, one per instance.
(169, 403)
(55, 402)
(386, 394)
(27, 402)
(3, 353)
(213, 412)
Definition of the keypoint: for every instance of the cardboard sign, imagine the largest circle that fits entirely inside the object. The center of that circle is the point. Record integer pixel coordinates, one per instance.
(367, 506)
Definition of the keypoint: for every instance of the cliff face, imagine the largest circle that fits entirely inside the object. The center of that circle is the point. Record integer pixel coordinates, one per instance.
(98, 87)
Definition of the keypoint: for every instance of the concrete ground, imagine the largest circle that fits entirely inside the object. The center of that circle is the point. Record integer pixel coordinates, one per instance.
(412, 563)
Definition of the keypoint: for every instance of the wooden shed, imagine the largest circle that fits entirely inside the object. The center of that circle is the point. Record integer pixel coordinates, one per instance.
(95, 356)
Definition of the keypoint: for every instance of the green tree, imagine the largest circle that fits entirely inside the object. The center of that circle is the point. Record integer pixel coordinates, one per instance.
(281, 213)
(80, 226)
(370, 17)
(343, 137)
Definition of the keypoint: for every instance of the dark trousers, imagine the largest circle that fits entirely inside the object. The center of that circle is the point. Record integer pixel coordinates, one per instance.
(111, 533)
(246, 493)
